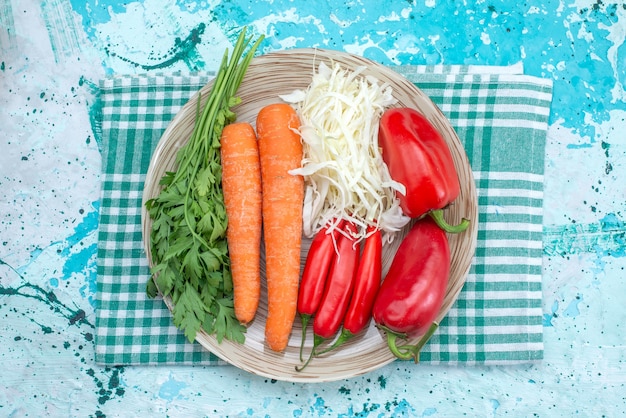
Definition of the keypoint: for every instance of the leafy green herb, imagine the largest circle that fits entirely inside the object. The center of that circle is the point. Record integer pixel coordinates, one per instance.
(188, 235)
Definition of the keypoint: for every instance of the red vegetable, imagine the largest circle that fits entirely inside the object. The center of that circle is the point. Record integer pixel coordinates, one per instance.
(420, 159)
(412, 293)
(337, 292)
(338, 289)
(318, 260)
(366, 286)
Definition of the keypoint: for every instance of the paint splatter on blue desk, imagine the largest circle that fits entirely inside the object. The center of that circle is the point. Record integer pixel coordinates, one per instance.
(53, 53)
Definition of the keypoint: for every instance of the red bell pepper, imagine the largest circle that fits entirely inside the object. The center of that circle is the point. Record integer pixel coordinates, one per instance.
(418, 157)
(318, 261)
(413, 290)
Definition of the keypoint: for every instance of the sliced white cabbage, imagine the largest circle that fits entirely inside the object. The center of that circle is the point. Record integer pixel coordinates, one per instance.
(345, 174)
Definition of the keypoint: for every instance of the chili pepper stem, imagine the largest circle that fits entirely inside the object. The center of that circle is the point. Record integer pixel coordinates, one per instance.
(437, 216)
(311, 355)
(305, 318)
(343, 337)
(317, 341)
(407, 351)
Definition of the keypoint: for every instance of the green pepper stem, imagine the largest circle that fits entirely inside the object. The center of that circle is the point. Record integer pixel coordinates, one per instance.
(311, 355)
(395, 350)
(305, 318)
(317, 340)
(437, 216)
(408, 351)
(343, 337)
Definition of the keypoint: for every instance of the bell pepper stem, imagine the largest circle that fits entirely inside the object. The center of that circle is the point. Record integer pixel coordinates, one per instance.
(408, 351)
(398, 351)
(422, 342)
(437, 216)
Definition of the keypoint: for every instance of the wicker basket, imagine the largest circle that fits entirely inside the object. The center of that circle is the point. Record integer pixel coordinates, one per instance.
(267, 77)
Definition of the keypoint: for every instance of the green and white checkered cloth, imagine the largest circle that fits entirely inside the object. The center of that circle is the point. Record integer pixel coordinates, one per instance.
(501, 117)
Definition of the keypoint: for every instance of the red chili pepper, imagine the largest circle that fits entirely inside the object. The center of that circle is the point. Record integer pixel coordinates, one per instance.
(366, 286)
(318, 261)
(338, 289)
(413, 290)
(337, 292)
(418, 157)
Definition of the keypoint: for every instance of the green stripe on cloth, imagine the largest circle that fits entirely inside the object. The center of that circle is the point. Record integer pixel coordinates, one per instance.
(500, 117)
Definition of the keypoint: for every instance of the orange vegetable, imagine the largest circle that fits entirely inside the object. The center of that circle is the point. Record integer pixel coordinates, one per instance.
(280, 150)
(241, 184)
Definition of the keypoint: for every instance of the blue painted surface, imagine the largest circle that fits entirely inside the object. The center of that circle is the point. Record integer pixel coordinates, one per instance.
(53, 53)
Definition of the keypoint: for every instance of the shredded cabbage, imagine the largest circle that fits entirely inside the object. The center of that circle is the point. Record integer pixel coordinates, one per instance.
(343, 168)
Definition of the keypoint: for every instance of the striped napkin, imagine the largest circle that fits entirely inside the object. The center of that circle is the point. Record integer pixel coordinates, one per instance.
(501, 117)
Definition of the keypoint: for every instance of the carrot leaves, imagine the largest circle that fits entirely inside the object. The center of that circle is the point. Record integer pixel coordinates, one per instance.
(188, 235)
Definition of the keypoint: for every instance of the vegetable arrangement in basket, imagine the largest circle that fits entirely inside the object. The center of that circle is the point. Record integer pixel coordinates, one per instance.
(335, 162)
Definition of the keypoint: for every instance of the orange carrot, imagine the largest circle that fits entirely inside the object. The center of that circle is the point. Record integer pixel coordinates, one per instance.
(280, 150)
(241, 184)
